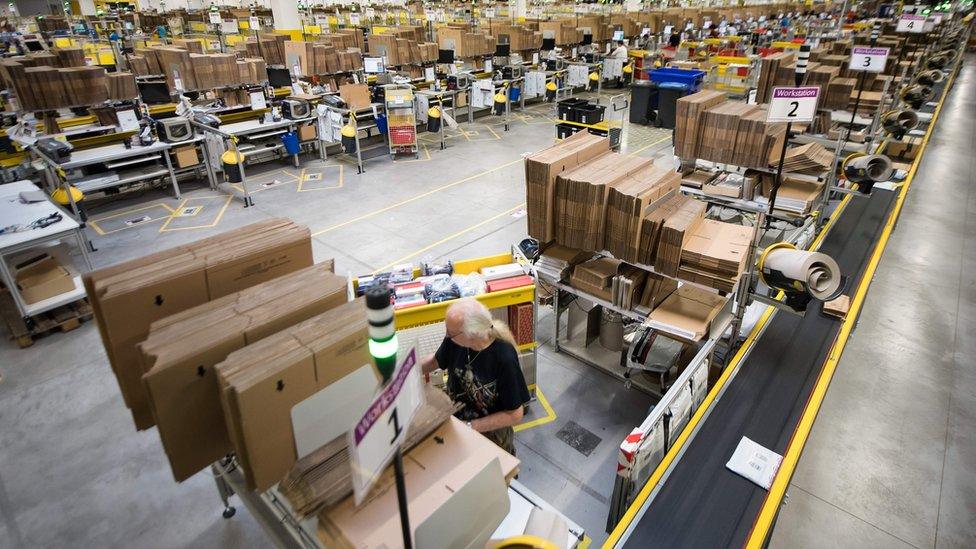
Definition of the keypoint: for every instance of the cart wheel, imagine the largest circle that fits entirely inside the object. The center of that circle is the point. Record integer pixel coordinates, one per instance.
(229, 512)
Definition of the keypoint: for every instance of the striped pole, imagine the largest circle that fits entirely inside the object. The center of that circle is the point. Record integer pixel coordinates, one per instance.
(802, 60)
(875, 32)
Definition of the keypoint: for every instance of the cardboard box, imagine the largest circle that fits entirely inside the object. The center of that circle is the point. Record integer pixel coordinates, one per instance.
(307, 132)
(433, 471)
(262, 383)
(42, 278)
(186, 156)
(181, 351)
(128, 297)
(356, 96)
(688, 312)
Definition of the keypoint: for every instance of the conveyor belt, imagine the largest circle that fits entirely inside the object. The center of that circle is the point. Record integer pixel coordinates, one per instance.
(703, 504)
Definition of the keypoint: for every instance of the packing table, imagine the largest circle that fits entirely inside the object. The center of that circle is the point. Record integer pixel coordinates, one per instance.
(273, 513)
(13, 212)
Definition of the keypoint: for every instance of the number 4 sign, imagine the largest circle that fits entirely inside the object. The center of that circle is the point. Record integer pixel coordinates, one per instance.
(911, 23)
(376, 436)
(868, 59)
(793, 104)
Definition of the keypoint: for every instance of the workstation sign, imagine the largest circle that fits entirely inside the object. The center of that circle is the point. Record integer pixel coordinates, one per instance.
(793, 104)
(868, 59)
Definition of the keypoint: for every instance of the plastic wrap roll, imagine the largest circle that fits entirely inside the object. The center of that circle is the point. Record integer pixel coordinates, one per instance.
(791, 270)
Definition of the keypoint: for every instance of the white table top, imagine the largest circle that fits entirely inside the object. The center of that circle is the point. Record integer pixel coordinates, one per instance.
(253, 126)
(107, 153)
(13, 211)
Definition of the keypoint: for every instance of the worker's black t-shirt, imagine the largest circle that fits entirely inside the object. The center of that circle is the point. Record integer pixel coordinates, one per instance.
(495, 382)
(674, 40)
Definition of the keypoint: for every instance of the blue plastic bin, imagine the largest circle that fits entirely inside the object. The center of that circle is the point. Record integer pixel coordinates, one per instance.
(290, 140)
(691, 78)
(381, 122)
(514, 94)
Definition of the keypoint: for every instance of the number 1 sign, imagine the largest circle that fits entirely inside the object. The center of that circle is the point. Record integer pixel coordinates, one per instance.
(793, 104)
(868, 59)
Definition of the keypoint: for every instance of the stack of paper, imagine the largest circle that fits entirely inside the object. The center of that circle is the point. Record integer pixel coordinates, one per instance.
(581, 197)
(715, 254)
(676, 228)
(629, 203)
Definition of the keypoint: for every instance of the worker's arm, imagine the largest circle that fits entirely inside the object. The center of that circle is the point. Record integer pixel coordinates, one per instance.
(497, 420)
(429, 364)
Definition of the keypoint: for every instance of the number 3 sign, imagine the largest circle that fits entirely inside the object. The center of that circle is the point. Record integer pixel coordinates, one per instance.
(793, 104)
(868, 59)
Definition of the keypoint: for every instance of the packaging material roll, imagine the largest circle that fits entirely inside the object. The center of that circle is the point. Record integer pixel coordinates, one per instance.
(789, 269)
(612, 331)
(900, 121)
(873, 168)
(930, 77)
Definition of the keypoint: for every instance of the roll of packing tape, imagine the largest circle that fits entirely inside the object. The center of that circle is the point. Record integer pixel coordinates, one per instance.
(873, 168)
(791, 270)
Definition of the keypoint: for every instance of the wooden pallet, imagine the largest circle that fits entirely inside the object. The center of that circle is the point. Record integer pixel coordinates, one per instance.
(62, 319)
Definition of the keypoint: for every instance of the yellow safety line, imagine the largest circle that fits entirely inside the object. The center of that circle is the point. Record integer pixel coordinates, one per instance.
(415, 198)
(303, 180)
(448, 238)
(672, 454)
(216, 220)
(771, 505)
(549, 418)
(170, 216)
(659, 141)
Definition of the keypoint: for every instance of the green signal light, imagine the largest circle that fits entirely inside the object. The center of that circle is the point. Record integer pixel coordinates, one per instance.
(383, 349)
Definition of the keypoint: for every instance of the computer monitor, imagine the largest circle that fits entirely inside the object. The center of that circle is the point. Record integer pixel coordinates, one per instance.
(445, 56)
(279, 77)
(548, 44)
(503, 50)
(33, 45)
(373, 65)
(154, 93)
(587, 39)
(618, 35)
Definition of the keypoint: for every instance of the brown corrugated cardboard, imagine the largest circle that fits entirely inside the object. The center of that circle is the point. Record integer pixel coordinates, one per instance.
(433, 471)
(41, 278)
(179, 356)
(688, 311)
(126, 298)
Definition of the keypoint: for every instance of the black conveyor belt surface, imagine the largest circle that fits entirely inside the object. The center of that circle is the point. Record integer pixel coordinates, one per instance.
(703, 504)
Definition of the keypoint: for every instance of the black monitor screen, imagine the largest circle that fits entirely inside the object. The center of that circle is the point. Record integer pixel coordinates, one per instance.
(279, 78)
(445, 56)
(154, 93)
(33, 45)
(503, 50)
(587, 39)
(548, 43)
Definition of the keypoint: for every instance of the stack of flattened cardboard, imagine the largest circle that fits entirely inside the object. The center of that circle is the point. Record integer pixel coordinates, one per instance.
(767, 74)
(656, 289)
(122, 86)
(674, 232)
(630, 202)
(808, 158)
(126, 298)
(651, 227)
(176, 63)
(595, 277)
(720, 128)
(796, 196)
(687, 129)
(758, 141)
(261, 383)
(715, 254)
(821, 76)
(687, 313)
(324, 477)
(541, 169)
(434, 470)
(180, 352)
(838, 93)
(581, 197)
(556, 262)
(70, 57)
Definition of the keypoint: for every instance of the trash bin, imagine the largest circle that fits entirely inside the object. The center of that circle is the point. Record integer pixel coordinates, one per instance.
(290, 140)
(668, 94)
(433, 119)
(231, 162)
(348, 138)
(643, 101)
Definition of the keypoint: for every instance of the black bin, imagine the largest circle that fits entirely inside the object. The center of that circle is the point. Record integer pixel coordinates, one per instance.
(565, 130)
(643, 102)
(668, 95)
(566, 109)
(590, 114)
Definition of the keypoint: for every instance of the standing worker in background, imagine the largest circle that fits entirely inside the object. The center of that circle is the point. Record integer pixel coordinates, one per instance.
(483, 372)
(675, 39)
(620, 52)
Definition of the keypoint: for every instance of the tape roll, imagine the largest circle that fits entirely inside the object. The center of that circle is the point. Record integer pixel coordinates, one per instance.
(872, 168)
(799, 271)
(900, 121)
(930, 77)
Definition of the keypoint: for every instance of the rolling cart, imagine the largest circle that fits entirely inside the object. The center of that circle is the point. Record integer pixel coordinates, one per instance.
(401, 120)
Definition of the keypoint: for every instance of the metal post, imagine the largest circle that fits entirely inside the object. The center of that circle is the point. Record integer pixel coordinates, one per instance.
(779, 173)
(857, 103)
(402, 499)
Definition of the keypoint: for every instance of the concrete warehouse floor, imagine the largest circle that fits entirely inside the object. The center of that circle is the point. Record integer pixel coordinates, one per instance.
(73, 467)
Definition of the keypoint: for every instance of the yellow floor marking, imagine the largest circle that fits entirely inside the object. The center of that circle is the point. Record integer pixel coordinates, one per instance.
(448, 238)
(426, 153)
(415, 198)
(93, 223)
(302, 181)
(548, 418)
(220, 214)
(645, 147)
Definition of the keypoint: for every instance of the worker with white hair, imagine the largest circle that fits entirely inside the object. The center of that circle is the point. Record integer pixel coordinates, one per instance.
(483, 372)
